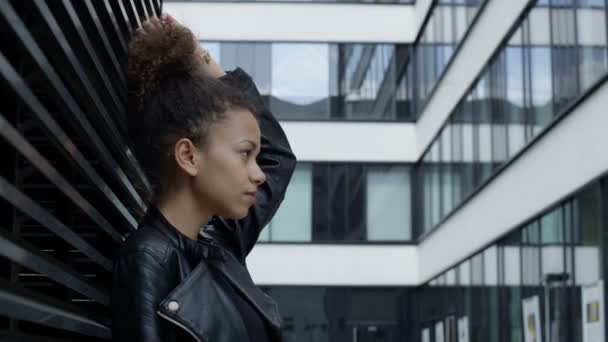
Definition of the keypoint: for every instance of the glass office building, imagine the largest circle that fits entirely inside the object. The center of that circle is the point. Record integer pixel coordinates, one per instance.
(452, 177)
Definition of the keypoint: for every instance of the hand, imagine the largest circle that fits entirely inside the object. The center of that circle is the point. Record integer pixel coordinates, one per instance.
(151, 25)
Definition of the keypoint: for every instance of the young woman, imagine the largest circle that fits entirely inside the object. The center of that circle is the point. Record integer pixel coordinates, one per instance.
(217, 159)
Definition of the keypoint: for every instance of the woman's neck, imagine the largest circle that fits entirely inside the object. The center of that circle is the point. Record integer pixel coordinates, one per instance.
(182, 211)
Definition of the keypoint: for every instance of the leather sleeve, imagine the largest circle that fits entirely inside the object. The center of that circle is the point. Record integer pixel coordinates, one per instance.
(140, 283)
(276, 160)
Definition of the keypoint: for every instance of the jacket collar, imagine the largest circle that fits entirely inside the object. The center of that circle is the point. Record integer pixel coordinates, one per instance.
(204, 254)
(203, 248)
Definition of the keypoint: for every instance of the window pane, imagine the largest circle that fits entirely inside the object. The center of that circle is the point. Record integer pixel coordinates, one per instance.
(300, 80)
(304, 312)
(293, 220)
(552, 227)
(588, 233)
(446, 171)
(388, 204)
(593, 65)
(530, 255)
(464, 273)
(552, 253)
(435, 184)
(450, 277)
(512, 266)
(515, 99)
(490, 260)
(477, 269)
(484, 112)
(541, 90)
(539, 31)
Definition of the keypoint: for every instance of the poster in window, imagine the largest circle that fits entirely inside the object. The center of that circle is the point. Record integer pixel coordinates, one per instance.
(593, 312)
(439, 332)
(426, 335)
(531, 319)
(463, 329)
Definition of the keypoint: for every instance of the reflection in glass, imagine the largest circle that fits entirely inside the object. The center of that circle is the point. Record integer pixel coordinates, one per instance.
(321, 81)
(515, 99)
(554, 56)
(300, 79)
(442, 33)
(591, 34)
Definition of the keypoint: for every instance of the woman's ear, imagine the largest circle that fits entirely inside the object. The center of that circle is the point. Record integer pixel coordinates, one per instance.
(187, 157)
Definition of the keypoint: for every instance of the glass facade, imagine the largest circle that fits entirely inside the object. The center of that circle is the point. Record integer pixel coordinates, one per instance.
(544, 269)
(353, 82)
(320, 81)
(344, 203)
(447, 25)
(379, 82)
(331, 314)
(535, 280)
(555, 55)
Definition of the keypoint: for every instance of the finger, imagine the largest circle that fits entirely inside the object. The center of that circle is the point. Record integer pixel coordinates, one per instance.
(155, 22)
(168, 18)
(147, 26)
(138, 31)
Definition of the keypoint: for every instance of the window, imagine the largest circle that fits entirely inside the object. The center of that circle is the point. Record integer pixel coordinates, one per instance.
(388, 204)
(321, 81)
(293, 220)
(343, 203)
(300, 80)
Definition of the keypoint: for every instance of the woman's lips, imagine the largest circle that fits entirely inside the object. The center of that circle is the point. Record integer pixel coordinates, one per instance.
(251, 196)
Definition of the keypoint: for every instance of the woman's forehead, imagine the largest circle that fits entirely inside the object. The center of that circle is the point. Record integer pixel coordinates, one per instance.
(238, 125)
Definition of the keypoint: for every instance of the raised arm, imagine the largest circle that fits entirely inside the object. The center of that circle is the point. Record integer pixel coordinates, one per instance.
(276, 160)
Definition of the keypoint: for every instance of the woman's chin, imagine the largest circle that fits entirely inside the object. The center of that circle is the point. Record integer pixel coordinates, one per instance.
(236, 213)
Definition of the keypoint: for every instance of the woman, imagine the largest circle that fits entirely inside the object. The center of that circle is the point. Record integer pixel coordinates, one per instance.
(217, 158)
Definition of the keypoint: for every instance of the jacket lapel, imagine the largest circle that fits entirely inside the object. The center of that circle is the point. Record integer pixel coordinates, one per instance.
(239, 277)
(204, 314)
(198, 312)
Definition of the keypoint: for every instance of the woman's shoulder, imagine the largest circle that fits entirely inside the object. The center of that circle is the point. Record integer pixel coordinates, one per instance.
(146, 239)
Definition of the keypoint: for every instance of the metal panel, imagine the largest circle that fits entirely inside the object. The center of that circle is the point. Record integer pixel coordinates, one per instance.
(70, 186)
(32, 307)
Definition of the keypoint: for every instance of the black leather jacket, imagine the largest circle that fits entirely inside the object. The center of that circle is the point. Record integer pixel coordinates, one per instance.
(164, 284)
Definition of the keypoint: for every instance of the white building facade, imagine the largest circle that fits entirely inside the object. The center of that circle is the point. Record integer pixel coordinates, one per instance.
(451, 163)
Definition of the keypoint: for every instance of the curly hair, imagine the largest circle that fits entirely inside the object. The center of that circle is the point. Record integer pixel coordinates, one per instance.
(170, 98)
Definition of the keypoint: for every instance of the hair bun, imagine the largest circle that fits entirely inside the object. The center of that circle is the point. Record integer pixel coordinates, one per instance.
(157, 54)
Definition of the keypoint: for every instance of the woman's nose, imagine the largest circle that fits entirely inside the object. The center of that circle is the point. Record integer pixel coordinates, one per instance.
(258, 177)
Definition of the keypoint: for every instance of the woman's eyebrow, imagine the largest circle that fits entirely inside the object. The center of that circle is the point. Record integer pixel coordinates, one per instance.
(253, 143)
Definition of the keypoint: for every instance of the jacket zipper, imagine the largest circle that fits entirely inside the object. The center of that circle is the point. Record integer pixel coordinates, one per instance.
(179, 325)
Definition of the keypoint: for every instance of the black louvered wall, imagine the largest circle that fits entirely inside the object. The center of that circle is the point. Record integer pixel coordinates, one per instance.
(70, 188)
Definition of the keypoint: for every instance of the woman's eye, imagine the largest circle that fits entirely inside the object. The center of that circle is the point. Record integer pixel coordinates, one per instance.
(246, 154)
